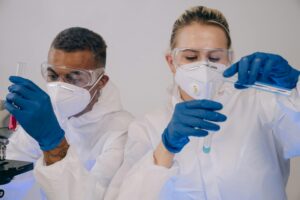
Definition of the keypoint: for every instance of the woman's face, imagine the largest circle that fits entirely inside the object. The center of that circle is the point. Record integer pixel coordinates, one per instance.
(197, 36)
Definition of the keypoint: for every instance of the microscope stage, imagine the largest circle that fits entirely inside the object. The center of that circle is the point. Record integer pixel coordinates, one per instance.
(11, 168)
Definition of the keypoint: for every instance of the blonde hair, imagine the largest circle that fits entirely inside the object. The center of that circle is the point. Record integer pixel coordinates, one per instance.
(200, 14)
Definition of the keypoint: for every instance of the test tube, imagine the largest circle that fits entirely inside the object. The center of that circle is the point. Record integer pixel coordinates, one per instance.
(207, 143)
(12, 125)
(208, 139)
(20, 68)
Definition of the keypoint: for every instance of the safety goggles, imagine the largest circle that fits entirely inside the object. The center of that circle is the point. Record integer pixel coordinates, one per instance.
(78, 77)
(183, 56)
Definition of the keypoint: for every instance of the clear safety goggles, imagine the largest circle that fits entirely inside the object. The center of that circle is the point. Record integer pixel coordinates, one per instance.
(183, 56)
(78, 77)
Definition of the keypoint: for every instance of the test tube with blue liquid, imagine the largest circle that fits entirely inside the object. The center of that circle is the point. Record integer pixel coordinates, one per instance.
(207, 143)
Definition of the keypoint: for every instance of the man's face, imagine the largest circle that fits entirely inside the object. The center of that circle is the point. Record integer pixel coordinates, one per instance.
(66, 66)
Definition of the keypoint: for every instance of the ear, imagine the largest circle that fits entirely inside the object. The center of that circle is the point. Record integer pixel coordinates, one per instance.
(169, 60)
(103, 81)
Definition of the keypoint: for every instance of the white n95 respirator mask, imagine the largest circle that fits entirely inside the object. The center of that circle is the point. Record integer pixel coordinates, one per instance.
(69, 100)
(200, 80)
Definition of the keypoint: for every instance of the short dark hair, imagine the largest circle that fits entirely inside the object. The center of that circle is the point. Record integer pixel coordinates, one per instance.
(80, 39)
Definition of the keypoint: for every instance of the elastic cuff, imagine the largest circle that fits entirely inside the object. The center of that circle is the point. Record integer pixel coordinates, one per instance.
(54, 143)
(168, 145)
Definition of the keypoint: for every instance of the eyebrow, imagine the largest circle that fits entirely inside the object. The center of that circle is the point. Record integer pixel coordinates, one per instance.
(49, 69)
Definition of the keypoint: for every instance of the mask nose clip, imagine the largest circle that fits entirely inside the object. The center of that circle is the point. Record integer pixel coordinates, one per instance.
(66, 88)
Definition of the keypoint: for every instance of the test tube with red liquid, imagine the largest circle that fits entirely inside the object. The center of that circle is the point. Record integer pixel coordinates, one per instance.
(12, 125)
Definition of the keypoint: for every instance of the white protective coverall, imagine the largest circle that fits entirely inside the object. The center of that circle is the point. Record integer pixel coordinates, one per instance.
(97, 141)
(249, 157)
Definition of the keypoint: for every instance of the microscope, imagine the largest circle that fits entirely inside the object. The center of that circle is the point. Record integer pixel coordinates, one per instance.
(9, 168)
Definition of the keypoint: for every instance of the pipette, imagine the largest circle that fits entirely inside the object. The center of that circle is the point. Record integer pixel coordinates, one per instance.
(262, 86)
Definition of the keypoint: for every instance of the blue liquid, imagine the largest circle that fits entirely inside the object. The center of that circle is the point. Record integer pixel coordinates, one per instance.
(206, 149)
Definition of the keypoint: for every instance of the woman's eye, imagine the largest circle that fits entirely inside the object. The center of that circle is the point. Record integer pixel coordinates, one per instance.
(191, 58)
(214, 59)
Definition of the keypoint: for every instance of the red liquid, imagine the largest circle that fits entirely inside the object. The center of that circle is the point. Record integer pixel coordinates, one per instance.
(12, 123)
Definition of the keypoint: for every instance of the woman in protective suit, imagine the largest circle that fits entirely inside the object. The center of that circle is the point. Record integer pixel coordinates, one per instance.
(254, 133)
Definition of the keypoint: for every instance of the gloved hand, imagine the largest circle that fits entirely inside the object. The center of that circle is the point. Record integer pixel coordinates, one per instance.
(263, 67)
(32, 108)
(191, 118)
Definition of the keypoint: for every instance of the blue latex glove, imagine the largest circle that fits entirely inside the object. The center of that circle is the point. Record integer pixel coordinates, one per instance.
(191, 118)
(32, 108)
(266, 68)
